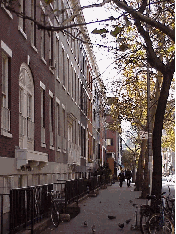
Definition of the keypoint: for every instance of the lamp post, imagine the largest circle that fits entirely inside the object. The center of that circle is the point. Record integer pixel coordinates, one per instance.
(150, 154)
(149, 120)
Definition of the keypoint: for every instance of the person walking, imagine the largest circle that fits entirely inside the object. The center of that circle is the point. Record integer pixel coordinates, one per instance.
(121, 178)
(128, 176)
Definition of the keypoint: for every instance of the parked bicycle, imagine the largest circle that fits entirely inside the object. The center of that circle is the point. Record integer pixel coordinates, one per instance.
(57, 206)
(146, 211)
(160, 222)
(170, 206)
(157, 219)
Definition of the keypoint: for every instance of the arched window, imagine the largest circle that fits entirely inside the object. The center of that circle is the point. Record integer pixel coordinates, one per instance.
(26, 108)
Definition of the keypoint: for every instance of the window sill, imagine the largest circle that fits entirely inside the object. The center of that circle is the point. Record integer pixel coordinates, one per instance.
(58, 150)
(6, 134)
(51, 147)
(57, 78)
(51, 70)
(34, 48)
(63, 86)
(68, 42)
(22, 32)
(43, 145)
(43, 60)
(7, 11)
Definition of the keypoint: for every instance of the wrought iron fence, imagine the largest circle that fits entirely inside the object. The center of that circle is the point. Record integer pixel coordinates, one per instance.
(4, 217)
(28, 206)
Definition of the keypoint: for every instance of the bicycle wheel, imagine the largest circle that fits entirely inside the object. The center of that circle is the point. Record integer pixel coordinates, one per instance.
(144, 223)
(55, 216)
(158, 225)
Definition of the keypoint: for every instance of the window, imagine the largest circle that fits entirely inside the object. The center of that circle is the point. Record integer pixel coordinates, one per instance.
(33, 24)
(43, 107)
(26, 108)
(75, 87)
(74, 132)
(109, 141)
(51, 54)
(82, 97)
(51, 120)
(62, 10)
(51, 114)
(94, 114)
(68, 74)
(43, 38)
(43, 116)
(63, 65)
(6, 90)
(83, 142)
(79, 134)
(64, 123)
(58, 118)
(57, 56)
(58, 130)
(21, 100)
(4, 80)
(72, 87)
(78, 95)
(83, 64)
(56, 8)
(29, 106)
(94, 145)
(22, 23)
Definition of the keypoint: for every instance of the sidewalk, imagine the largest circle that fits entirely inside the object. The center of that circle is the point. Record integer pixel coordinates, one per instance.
(116, 201)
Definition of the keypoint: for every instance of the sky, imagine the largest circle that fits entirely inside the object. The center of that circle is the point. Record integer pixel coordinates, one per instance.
(105, 60)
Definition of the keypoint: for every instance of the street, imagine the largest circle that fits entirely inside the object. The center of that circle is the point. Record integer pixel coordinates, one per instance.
(165, 185)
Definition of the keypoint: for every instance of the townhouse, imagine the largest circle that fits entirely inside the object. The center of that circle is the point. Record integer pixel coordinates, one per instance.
(49, 96)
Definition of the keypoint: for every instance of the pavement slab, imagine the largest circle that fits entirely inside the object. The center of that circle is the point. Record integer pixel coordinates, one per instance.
(123, 203)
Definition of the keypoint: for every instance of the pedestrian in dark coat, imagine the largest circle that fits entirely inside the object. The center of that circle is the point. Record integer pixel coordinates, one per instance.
(121, 178)
(128, 176)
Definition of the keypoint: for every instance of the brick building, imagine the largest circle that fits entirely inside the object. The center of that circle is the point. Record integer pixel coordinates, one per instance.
(48, 130)
(113, 145)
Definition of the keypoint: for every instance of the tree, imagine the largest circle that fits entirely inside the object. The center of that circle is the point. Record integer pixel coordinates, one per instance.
(154, 25)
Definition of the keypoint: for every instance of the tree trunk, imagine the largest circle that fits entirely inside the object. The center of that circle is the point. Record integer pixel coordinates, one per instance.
(140, 172)
(157, 133)
(145, 188)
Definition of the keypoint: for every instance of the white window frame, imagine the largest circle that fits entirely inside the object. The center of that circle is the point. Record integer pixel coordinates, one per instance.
(20, 25)
(51, 120)
(43, 144)
(57, 57)
(5, 112)
(33, 25)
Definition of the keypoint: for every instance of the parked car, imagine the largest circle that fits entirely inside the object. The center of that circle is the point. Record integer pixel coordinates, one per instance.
(170, 178)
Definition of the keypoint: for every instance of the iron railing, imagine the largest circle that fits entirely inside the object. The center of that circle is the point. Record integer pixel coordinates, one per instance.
(28, 206)
(4, 217)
